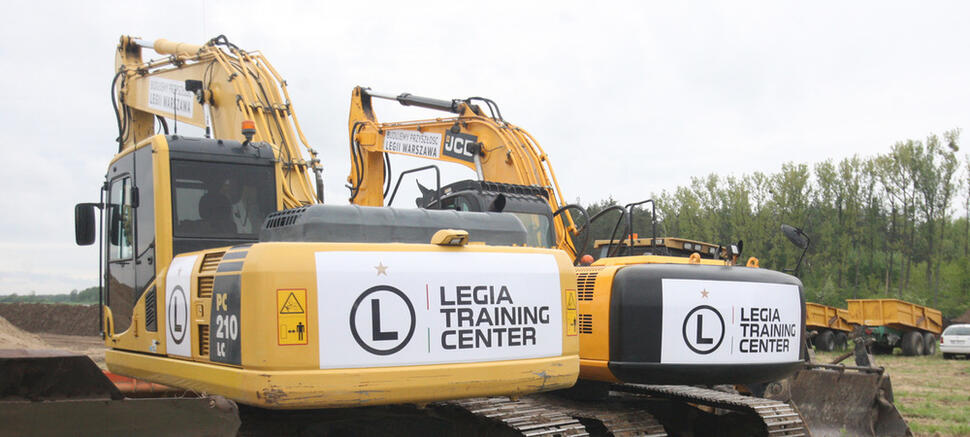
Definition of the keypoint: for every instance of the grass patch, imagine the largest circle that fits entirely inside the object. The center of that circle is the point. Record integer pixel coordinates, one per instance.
(932, 394)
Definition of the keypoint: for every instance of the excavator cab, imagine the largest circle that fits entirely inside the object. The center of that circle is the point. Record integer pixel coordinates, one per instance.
(214, 193)
(529, 204)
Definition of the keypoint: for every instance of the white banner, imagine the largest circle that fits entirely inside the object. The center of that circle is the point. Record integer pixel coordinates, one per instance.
(178, 290)
(408, 308)
(170, 95)
(725, 322)
(412, 142)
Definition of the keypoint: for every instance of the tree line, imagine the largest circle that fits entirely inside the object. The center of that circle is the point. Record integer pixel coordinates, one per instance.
(887, 226)
(88, 296)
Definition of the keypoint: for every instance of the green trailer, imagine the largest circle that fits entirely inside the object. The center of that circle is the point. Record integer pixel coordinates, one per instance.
(895, 323)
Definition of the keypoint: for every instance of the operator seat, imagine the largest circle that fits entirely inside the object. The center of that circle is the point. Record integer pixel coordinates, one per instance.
(216, 213)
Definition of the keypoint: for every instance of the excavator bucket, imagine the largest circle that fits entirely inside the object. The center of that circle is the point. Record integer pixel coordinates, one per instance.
(836, 400)
(52, 392)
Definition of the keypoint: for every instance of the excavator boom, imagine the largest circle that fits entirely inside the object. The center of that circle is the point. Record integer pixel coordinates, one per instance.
(216, 87)
(477, 138)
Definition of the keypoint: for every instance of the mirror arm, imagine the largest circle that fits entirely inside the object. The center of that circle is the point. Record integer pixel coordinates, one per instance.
(104, 189)
(808, 243)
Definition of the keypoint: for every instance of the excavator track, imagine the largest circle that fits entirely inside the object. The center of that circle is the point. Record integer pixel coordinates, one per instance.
(778, 418)
(529, 416)
(617, 418)
(551, 415)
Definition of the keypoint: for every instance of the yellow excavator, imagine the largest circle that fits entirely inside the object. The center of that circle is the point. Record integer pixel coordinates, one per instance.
(654, 324)
(225, 277)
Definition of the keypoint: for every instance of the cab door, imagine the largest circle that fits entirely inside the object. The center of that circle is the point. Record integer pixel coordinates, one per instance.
(119, 244)
(130, 242)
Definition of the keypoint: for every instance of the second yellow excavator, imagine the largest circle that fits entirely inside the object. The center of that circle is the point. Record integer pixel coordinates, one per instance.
(688, 318)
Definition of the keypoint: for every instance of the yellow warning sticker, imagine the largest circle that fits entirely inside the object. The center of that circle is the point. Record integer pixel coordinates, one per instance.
(571, 322)
(291, 308)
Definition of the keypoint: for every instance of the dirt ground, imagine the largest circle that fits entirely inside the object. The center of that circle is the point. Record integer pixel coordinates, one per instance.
(12, 337)
(89, 345)
(52, 318)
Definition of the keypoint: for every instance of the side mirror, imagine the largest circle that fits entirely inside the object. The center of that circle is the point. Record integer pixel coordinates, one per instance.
(84, 223)
(796, 236)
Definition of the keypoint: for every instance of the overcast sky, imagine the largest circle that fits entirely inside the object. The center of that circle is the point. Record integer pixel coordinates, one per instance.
(645, 94)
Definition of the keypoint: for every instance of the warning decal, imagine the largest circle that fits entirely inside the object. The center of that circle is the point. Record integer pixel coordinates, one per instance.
(381, 309)
(571, 320)
(291, 317)
(728, 322)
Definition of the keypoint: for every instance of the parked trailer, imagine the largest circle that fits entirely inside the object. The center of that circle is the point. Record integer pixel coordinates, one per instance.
(892, 323)
(828, 327)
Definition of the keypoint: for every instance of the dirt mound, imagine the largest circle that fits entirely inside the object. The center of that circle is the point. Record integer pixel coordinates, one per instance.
(52, 318)
(13, 338)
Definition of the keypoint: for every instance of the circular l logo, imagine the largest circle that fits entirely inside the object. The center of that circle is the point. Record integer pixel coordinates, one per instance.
(382, 320)
(703, 329)
(178, 314)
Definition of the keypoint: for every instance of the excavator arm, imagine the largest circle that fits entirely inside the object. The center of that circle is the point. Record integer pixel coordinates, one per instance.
(216, 86)
(495, 149)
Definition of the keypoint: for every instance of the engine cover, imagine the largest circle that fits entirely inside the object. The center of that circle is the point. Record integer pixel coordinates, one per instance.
(701, 324)
(363, 224)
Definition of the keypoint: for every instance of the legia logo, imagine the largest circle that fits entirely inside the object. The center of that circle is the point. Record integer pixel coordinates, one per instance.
(178, 315)
(382, 320)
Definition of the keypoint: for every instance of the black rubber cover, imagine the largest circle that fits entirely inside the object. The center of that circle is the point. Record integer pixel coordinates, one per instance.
(636, 323)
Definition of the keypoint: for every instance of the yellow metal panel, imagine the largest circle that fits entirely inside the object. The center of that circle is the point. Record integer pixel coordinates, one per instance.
(315, 388)
(275, 374)
(596, 370)
(137, 337)
(163, 207)
(595, 345)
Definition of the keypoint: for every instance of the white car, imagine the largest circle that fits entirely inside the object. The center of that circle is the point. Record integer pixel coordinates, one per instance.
(955, 341)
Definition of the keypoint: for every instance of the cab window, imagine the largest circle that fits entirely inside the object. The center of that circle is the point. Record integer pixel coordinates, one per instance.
(538, 229)
(221, 200)
(457, 203)
(120, 220)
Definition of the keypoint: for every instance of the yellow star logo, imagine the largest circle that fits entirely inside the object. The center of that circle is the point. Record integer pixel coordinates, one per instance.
(704, 293)
(381, 269)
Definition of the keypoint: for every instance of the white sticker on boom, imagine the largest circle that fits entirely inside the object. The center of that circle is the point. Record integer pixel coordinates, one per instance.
(178, 289)
(380, 309)
(170, 96)
(726, 322)
(412, 142)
